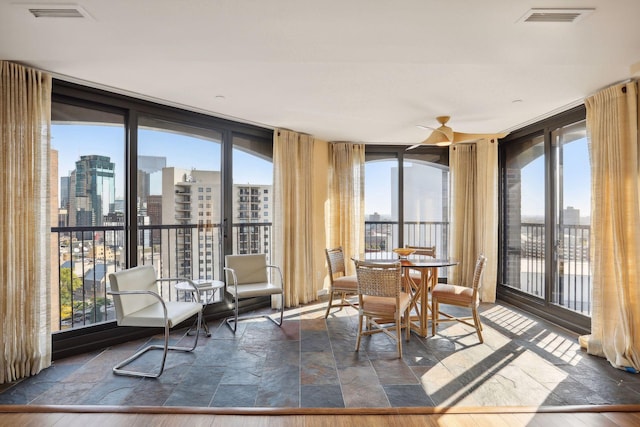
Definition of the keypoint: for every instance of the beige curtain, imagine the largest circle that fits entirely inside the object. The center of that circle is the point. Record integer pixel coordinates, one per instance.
(25, 106)
(346, 199)
(612, 123)
(462, 165)
(474, 216)
(487, 214)
(293, 225)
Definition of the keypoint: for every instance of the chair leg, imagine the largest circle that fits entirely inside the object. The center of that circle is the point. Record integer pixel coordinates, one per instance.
(359, 331)
(344, 302)
(229, 321)
(326, 314)
(399, 334)
(117, 370)
(281, 309)
(407, 319)
(233, 323)
(434, 316)
(476, 320)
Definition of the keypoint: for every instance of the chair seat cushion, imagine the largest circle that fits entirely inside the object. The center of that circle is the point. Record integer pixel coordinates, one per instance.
(349, 283)
(452, 293)
(384, 305)
(153, 315)
(251, 290)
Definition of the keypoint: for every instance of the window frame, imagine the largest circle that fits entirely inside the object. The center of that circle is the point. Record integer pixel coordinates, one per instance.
(543, 308)
(73, 341)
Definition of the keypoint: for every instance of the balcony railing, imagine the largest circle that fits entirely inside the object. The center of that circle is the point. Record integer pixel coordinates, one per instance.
(86, 256)
(526, 265)
(571, 290)
(383, 236)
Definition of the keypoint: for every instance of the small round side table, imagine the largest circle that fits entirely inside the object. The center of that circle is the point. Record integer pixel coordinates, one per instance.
(206, 289)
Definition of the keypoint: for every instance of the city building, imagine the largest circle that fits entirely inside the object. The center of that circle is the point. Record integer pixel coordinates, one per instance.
(92, 190)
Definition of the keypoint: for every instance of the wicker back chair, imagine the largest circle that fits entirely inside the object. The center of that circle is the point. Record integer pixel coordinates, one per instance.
(460, 296)
(416, 275)
(339, 282)
(381, 296)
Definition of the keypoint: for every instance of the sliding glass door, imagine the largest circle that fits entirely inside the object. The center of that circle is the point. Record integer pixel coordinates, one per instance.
(524, 220)
(546, 204)
(572, 179)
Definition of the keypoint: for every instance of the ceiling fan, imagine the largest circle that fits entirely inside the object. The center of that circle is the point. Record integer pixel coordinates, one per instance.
(444, 135)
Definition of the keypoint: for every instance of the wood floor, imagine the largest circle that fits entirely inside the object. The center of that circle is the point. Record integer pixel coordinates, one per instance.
(579, 416)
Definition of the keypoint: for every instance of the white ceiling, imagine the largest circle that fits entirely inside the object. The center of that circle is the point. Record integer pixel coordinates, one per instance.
(341, 70)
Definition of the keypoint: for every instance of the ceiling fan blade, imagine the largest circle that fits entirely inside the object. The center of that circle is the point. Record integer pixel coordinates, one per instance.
(439, 136)
(461, 137)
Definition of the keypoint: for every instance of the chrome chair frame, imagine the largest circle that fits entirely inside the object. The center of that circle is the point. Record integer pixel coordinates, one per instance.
(180, 310)
(265, 289)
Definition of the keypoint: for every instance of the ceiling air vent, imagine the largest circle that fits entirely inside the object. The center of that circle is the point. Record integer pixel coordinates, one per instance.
(56, 13)
(67, 10)
(556, 15)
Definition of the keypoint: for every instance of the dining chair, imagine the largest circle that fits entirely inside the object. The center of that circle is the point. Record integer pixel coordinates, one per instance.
(339, 282)
(382, 304)
(248, 276)
(138, 303)
(416, 274)
(460, 296)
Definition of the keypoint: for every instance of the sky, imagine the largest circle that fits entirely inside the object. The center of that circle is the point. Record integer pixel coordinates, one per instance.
(576, 181)
(186, 152)
(422, 181)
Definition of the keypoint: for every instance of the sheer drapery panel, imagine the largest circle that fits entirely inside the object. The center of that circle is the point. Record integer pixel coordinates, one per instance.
(293, 211)
(612, 124)
(462, 164)
(474, 202)
(25, 106)
(346, 200)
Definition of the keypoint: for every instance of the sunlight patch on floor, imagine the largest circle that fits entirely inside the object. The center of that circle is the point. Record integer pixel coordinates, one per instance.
(564, 349)
(509, 320)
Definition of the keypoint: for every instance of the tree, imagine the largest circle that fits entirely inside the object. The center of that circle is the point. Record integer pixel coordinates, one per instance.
(69, 283)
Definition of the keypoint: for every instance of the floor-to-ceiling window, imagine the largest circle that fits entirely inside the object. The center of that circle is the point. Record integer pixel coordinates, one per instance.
(179, 198)
(141, 183)
(406, 198)
(546, 205)
(89, 146)
(426, 200)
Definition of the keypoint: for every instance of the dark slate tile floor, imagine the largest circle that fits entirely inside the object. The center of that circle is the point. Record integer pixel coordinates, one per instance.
(310, 362)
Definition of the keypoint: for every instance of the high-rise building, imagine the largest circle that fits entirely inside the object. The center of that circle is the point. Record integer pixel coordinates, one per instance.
(571, 216)
(154, 212)
(92, 190)
(147, 165)
(252, 205)
(64, 192)
(192, 198)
